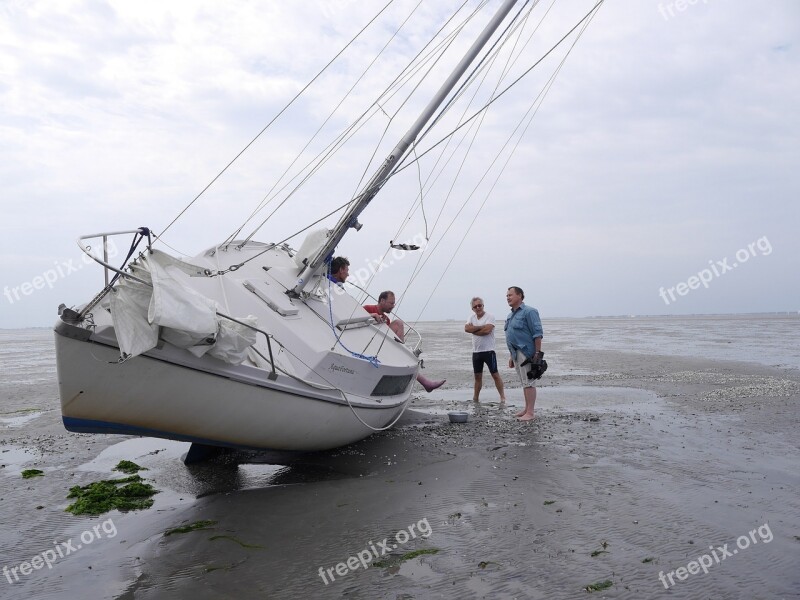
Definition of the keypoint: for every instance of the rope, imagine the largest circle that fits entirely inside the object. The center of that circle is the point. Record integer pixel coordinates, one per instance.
(321, 158)
(537, 103)
(505, 90)
(373, 360)
(275, 118)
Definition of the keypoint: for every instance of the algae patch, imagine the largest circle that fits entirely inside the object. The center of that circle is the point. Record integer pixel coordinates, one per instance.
(599, 586)
(233, 539)
(28, 473)
(196, 526)
(393, 561)
(129, 467)
(128, 493)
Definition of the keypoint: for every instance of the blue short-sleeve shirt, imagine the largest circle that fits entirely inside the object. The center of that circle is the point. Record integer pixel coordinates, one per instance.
(523, 326)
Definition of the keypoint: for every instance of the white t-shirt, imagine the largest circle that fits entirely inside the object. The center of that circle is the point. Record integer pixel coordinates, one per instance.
(482, 343)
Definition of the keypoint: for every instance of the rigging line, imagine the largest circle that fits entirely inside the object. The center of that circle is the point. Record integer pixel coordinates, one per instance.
(420, 264)
(321, 160)
(330, 116)
(480, 121)
(283, 241)
(404, 221)
(535, 108)
(353, 128)
(451, 133)
(509, 62)
(410, 72)
(539, 99)
(235, 158)
(487, 67)
(494, 53)
(468, 80)
(512, 84)
(421, 205)
(475, 188)
(494, 57)
(418, 63)
(319, 165)
(175, 250)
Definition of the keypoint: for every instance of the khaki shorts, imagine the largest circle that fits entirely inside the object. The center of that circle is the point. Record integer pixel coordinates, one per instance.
(522, 372)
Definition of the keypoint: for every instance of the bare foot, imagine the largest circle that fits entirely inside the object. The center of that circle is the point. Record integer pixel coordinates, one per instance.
(428, 384)
(526, 417)
(476, 401)
(520, 413)
(434, 386)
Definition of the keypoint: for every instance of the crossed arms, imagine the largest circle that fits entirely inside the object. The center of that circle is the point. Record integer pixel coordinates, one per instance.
(479, 329)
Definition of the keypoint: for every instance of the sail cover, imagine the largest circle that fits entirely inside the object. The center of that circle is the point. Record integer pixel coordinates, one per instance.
(171, 309)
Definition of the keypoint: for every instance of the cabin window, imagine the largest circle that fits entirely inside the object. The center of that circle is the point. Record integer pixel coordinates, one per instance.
(392, 385)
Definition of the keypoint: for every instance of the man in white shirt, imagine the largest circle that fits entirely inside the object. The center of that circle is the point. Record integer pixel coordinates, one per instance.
(481, 326)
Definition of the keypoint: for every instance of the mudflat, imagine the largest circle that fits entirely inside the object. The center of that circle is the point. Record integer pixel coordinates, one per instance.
(643, 476)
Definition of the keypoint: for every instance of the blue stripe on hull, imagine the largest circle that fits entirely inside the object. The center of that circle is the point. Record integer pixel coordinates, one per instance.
(92, 426)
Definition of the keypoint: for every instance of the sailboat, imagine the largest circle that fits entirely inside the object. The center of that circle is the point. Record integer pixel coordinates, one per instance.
(267, 353)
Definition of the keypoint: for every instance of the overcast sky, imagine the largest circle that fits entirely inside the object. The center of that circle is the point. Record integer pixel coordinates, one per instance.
(665, 153)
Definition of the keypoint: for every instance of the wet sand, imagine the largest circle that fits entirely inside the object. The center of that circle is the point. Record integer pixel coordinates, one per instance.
(635, 466)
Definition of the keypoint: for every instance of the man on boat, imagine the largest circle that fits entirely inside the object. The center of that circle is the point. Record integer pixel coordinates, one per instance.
(380, 313)
(524, 340)
(340, 270)
(481, 326)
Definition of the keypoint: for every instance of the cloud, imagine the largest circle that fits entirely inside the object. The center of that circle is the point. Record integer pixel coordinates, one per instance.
(662, 144)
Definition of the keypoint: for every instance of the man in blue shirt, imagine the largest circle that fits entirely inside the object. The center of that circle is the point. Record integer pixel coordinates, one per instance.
(524, 340)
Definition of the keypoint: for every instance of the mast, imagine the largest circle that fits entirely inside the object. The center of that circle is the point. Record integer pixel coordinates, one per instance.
(350, 218)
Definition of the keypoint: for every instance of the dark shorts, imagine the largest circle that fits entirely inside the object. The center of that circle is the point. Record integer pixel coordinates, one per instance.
(489, 358)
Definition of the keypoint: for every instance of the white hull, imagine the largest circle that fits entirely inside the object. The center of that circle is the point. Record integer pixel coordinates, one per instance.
(151, 397)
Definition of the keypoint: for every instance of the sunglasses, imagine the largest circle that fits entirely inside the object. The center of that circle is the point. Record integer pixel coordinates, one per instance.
(478, 306)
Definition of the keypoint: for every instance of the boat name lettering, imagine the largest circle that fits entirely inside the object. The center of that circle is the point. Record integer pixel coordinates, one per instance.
(334, 367)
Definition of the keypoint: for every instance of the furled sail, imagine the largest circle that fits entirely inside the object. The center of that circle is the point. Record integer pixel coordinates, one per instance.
(166, 306)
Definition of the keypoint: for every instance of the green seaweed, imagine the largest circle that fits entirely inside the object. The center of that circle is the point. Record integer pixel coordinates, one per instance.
(28, 473)
(22, 411)
(127, 493)
(416, 553)
(648, 559)
(212, 568)
(196, 526)
(549, 502)
(233, 539)
(393, 561)
(128, 467)
(598, 553)
(599, 586)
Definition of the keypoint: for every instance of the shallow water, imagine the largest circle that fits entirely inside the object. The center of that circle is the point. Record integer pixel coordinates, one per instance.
(772, 340)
